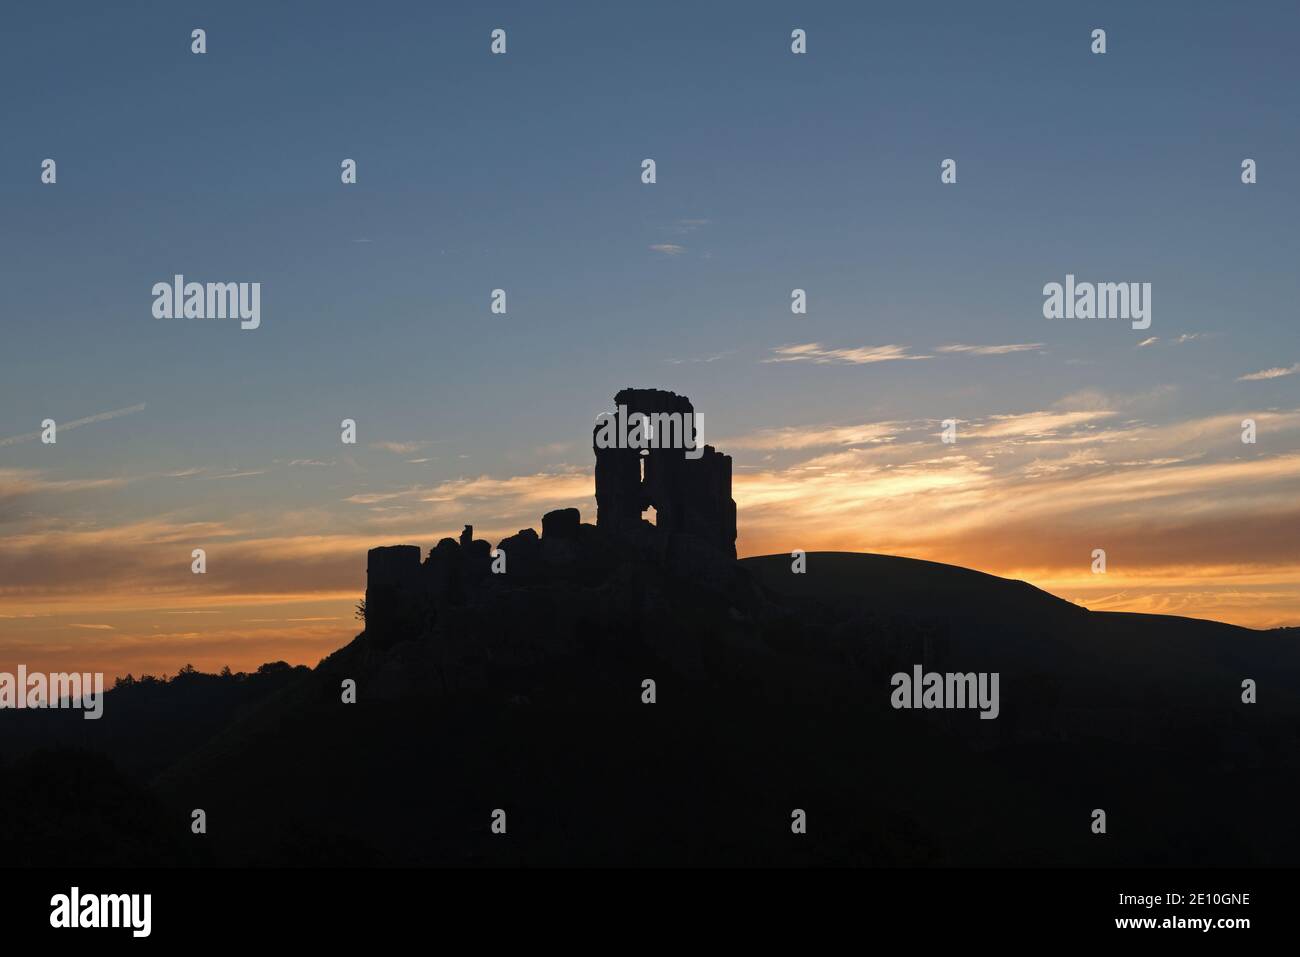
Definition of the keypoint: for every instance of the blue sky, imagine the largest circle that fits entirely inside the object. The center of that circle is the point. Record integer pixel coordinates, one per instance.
(522, 171)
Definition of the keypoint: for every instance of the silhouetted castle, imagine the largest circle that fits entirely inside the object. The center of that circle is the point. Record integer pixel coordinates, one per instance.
(690, 496)
(694, 533)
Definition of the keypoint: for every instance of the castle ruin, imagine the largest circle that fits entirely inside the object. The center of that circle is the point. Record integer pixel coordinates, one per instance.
(694, 532)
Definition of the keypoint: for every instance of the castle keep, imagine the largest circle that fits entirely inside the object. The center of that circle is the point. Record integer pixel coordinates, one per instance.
(690, 495)
(694, 532)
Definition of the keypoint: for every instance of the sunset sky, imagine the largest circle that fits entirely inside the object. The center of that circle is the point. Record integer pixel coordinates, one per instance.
(522, 172)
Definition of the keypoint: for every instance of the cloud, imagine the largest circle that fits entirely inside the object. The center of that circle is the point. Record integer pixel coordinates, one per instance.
(684, 227)
(16, 482)
(234, 474)
(1183, 339)
(1032, 493)
(1036, 423)
(259, 558)
(712, 358)
(1190, 518)
(373, 498)
(863, 355)
(399, 448)
(811, 437)
(668, 249)
(993, 350)
(1274, 373)
(315, 618)
(76, 423)
(520, 491)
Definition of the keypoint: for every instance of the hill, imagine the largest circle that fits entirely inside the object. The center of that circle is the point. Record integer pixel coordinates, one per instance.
(762, 709)
(772, 693)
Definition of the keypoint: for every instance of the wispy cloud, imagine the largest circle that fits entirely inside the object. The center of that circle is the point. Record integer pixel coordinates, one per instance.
(399, 448)
(713, 358)
(1028, 495)
(15, 482)
(993, 350)
(811, 437)
(684, 227)
(234, 474)
(1181, 340)
(314, 618)
(863, 355)
(1036, 423)
(1274, 373)
(76, 423)
(668, 249)
(373, 498)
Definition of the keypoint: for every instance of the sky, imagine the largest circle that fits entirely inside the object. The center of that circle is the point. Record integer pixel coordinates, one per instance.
(522, 171)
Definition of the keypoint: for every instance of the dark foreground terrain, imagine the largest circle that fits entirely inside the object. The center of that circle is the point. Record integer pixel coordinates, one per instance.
(773, 693)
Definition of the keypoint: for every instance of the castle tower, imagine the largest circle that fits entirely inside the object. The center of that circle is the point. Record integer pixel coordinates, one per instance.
(690, 496)
(393, 591)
